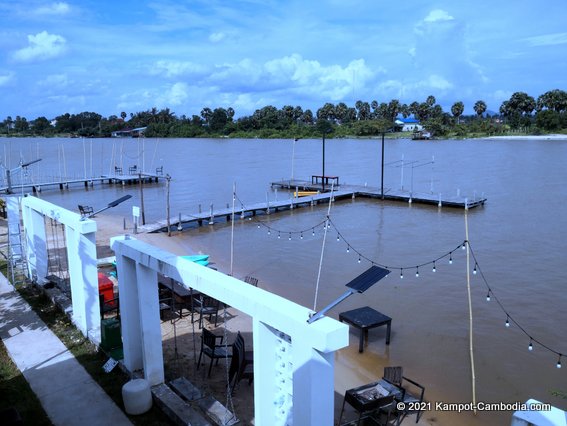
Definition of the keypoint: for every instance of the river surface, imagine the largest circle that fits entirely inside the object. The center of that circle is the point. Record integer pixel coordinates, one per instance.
(519, 240)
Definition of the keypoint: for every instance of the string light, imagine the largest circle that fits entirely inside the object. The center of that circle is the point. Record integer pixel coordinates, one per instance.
(417, 271)
(476, 270)
(279, 236)
(290, 236)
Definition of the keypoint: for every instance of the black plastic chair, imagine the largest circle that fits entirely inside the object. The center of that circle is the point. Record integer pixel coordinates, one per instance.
(210, 348)
(205, 306)
(242, 363)
(395, 376)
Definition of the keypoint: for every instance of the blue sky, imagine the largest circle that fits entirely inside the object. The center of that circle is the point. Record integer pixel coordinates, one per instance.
(126, 55)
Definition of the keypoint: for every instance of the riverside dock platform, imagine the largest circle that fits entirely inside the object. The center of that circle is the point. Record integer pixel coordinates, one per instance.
(439, 199)
(64, 183)
(212, 216)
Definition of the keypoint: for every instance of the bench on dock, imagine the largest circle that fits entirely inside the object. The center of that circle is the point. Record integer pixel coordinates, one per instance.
(324, 179)
(85, 210)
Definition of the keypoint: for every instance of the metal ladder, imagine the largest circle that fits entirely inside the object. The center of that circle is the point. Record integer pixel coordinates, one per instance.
(17, 263)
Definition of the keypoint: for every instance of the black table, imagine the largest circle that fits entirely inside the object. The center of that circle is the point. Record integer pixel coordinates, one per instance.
(364, 319)
(371, 398)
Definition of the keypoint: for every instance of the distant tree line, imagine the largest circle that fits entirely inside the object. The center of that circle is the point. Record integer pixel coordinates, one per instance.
(521, 113)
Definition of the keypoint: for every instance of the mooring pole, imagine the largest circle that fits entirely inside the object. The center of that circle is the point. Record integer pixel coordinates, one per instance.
(168, 178)
(323, 176)
(382, 179)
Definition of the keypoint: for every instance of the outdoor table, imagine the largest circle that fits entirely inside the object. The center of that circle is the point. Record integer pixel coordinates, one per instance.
(364, 319)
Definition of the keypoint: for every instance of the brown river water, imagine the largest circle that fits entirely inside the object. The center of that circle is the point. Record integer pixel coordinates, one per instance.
(518, 239)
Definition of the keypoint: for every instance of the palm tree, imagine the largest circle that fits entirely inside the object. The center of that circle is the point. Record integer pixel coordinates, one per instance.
(479, 108)
(457, 110)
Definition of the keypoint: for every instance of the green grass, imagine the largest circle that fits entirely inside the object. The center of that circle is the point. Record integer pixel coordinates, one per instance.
(87, 354)
(16, 392)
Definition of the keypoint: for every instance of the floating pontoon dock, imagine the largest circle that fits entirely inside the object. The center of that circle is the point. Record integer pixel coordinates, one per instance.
(212, 215)
(64, 183)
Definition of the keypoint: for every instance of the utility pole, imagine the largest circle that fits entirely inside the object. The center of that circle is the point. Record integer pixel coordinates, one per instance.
(382, 179)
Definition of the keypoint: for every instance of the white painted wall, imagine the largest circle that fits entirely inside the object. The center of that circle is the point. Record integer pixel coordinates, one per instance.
(293, 360)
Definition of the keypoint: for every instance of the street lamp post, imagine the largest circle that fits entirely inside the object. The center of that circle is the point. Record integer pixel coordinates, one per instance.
(20, 167)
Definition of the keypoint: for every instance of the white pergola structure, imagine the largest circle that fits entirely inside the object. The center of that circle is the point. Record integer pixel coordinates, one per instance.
(293, 360)
(80, 238)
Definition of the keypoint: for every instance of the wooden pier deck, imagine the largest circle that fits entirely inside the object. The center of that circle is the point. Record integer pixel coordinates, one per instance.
(64, 183)
(212, 215)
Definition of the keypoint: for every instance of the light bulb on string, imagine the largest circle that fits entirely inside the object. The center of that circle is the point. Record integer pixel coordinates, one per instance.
(417, 271)
(301, 235)
(348, 249)
(359, 259)
(451, 258)
(434, 268)
(313, 232)
(279, 236)
(507, 323)
(258, 226)
(401, 273)
(290, 236)
(464, 245)
(474, 269)
(530, 346)
(488, 296)
(338, 237)
(269, 231)
(559, 361)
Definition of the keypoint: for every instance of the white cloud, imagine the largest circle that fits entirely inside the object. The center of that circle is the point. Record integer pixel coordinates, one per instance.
(435, 82)
(59, 8)
(5, 78)
(438, 15)
(54, 81)
(294, 73)
(548, 39)
(217, 37)
(177, 94)
(177, 68)
(41, 46)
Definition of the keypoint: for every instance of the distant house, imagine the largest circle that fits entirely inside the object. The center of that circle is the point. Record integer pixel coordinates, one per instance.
(409, 124)
(129, 133)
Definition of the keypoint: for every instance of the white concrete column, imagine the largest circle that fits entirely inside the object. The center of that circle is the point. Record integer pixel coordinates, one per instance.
(150, 324)
(36, 243)
(84, 280)
(129, 312)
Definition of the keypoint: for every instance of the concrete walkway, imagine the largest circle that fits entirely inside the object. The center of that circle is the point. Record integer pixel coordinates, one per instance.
(67, 392)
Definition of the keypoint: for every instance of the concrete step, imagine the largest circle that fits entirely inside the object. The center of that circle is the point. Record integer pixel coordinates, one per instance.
(217, 412)
(176, 408)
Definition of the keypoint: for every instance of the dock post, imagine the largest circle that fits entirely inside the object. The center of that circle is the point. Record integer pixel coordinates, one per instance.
(410, 198)
(312, 202)
(124, 223)
(276, 194)
(466, 203)
(212, 219)
(179, 226)
(440, 203)
(296, 195)
(267, 204)
(291, 204)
